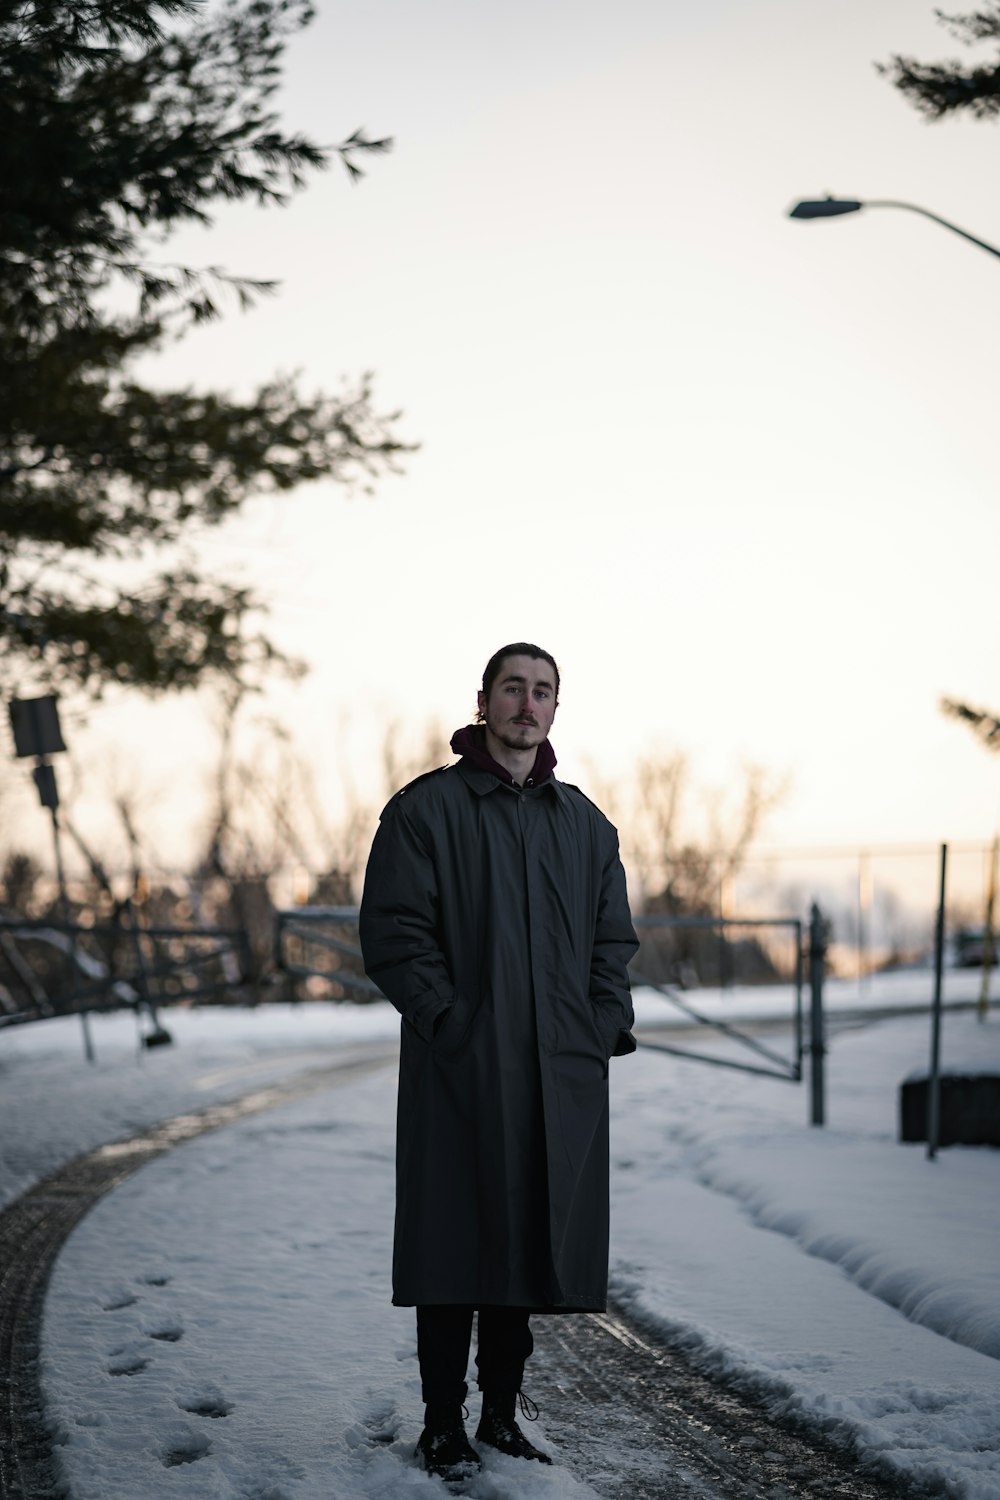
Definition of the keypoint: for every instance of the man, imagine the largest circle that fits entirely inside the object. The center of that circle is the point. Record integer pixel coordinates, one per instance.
(495, 919)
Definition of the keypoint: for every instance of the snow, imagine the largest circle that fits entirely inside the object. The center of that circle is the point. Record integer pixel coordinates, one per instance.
(220, 1325)
(54, 1106)
(843, 1276)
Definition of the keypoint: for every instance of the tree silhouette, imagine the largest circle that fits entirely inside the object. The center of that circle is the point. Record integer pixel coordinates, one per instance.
(939, 89)
(119, 121)
(984, 725)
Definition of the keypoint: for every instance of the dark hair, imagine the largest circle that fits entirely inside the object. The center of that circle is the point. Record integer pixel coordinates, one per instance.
(518, 648)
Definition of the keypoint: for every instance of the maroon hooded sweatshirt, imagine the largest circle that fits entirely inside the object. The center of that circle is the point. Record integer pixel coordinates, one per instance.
(470, 743)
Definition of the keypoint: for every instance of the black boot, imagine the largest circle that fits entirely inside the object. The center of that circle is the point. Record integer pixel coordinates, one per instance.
(443, 1444)
(498, 1428)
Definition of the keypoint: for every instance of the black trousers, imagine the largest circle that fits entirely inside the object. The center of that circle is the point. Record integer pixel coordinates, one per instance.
(444, 1338)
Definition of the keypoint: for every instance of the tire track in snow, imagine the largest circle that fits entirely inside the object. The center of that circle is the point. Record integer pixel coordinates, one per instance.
(637, 1421)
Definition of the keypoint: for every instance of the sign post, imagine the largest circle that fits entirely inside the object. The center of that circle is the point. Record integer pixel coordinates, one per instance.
(37, 735)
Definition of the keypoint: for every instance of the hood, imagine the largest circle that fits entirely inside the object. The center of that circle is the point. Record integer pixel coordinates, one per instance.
(470, 742)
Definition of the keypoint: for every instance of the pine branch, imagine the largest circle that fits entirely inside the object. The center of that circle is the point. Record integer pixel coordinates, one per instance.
(985, 725)
(939, 89)
(357, 142)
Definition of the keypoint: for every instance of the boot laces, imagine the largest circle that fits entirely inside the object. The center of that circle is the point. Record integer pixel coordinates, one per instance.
(527, 1407)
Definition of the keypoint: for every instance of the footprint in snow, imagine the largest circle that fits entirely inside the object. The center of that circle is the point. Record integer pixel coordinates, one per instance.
(381, 1423)
(184, 1448)
(207, 1401)
(128, 1364)
(167, 1333)
(125, 1299)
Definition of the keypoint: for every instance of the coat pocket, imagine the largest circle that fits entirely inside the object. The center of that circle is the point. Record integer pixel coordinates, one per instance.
(454, 1028)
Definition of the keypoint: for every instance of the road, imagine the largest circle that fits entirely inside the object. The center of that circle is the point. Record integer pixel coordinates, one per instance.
(606, 1387)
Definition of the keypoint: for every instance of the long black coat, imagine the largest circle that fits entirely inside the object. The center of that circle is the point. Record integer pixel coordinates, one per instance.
(496, 921)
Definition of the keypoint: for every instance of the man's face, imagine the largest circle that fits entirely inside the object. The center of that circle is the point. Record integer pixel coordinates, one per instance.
(522, 702)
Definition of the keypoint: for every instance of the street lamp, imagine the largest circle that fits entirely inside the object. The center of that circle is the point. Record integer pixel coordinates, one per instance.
(831, 208)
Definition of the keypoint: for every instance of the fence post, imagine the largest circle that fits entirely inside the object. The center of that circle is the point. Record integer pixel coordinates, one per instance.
(67, 913)
(989, 936)
(142, 977)
(800, 1048)
(817, 1033)
(934, 1081)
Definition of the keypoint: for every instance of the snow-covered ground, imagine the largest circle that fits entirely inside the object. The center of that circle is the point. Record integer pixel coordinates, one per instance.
(220, 1326)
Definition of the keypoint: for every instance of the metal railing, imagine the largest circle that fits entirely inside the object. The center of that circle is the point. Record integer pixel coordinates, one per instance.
(50, 967)
(317, 949)
(768, 1061)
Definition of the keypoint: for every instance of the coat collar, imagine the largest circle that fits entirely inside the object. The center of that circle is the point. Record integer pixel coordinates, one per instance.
(482, 782)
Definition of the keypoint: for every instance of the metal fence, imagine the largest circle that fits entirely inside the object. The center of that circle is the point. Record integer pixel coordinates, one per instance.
(50, 967)
(720, 953)
(317, 950)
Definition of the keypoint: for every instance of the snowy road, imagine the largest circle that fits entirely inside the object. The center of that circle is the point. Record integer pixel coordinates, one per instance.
(218, 1325)
(662, 1428)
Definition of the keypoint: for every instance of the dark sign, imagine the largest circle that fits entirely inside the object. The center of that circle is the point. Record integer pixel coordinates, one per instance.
(35, 722)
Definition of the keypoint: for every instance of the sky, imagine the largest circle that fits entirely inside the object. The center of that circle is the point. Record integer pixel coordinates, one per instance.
(736, 472)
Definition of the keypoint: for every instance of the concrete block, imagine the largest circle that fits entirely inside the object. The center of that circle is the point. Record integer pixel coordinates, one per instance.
(970, 1109)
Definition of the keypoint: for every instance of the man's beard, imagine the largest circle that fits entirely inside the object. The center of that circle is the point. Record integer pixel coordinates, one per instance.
(513, 735)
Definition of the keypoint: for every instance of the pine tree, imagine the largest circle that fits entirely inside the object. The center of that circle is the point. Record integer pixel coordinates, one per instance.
(939, 89)
(119, 121)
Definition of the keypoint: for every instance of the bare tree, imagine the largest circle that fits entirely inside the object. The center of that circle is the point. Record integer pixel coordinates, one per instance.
(683, 845)
(684, 862)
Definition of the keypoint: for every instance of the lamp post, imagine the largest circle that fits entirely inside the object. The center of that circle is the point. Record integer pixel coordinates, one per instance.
(832, 208)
